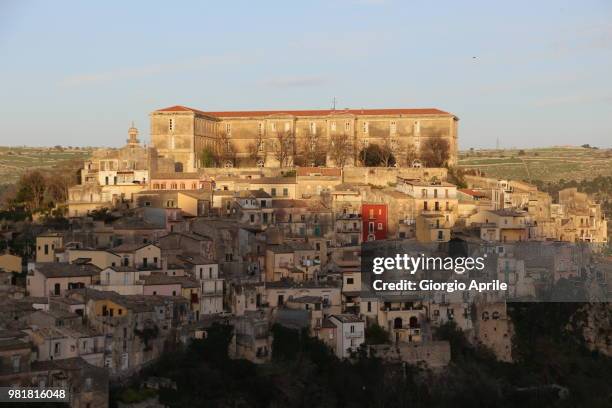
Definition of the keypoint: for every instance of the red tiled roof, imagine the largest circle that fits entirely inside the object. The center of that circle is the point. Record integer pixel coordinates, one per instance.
(472, 192)
(319, 112)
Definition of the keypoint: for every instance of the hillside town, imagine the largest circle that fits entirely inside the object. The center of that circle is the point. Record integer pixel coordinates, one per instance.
(256, 219)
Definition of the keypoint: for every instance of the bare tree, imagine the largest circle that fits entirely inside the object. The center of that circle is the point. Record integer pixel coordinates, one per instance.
(224, 150)
(310, 151)
(410, 153)
(387, 151)
(256, 149)
(283, 147)
(435, 152)
(31, 190)
(340, 149)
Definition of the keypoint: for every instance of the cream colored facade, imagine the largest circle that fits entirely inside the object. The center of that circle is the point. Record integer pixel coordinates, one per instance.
(46, 245)
(111, 175)
(251, 137)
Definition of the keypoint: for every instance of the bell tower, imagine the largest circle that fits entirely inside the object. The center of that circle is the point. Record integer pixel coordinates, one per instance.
(133, 136)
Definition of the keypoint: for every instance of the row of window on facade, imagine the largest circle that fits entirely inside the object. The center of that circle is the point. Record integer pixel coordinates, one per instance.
(424, 193)
(312, 127)
(437, 206)
(174, 186)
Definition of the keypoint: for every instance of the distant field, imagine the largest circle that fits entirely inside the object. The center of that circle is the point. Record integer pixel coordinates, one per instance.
(546, 164)
(14, 161)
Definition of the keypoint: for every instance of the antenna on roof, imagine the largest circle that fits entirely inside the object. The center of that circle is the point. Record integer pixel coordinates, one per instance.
(334, 103)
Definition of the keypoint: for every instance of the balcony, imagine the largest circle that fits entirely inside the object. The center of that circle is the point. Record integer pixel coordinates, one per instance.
(348, 217)
(348, 230)
(355, 334)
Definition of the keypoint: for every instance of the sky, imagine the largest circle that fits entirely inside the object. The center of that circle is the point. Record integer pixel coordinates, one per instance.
(526, 73)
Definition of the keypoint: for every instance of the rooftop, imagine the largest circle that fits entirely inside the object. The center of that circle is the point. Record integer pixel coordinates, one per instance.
(66, 270)
(318, 112)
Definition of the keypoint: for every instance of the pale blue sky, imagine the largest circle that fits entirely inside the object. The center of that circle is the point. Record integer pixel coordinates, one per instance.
(77, 73)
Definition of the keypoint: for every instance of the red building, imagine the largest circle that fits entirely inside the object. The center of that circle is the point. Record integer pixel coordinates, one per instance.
(374, 218)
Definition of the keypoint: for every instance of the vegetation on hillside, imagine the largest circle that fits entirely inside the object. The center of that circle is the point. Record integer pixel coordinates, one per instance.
(552, 368)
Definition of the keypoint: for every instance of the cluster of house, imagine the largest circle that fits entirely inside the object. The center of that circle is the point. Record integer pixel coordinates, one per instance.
(178, 252)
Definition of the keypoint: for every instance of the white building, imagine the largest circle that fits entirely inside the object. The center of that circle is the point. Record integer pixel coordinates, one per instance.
(349, 333)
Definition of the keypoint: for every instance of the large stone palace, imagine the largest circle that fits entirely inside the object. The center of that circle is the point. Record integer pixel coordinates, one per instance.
(249, 138)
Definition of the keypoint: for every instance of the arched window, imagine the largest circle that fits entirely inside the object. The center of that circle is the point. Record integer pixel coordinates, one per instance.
(414, 322)
(182, 186)
(397, 323)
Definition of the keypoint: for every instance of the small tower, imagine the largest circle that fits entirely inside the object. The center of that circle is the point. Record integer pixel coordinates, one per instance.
(133, 136)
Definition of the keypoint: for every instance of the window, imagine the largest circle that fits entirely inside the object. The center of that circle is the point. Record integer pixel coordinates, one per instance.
(273, 192)
(228, 129)
(417, 128)
(366, 127)
(260, 128)
(347, 126)
(273, 126)
(380, 226)
(171, 124)
(350, 281)
(313, 128)
(332, 126)
(352, 328)
(393, 127)
(287, 126)
(285, 192)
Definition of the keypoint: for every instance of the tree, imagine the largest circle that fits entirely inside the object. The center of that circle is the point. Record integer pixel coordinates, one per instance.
(207, 157)
(310, 152)
(340, 149)
(410, 153)
(31, 190)
(376, 334)
(283, 147)
(435, 152)
(375, 155)
(224, 150)
(387, 151)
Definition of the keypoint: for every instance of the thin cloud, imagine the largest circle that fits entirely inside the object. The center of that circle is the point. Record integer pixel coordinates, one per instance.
(147, 70)
(574, 100)
(295, 82)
